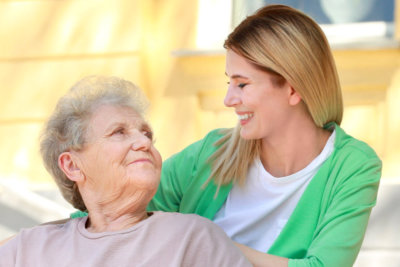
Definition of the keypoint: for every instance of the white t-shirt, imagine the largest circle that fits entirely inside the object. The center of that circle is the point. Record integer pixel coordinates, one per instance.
(255, 214)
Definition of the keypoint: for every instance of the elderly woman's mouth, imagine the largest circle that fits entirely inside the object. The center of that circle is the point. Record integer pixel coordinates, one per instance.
(141, 160)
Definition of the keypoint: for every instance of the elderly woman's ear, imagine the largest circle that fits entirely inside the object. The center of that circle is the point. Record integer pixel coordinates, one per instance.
(67, 162)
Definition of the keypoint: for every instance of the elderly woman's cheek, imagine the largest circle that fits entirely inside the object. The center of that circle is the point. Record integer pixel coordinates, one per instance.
(143, 175)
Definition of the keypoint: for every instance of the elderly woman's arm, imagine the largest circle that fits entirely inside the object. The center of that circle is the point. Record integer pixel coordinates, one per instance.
(57, 222)
(2, 242)
(8, 250)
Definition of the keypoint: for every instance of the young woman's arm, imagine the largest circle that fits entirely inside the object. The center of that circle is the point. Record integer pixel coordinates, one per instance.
(260, 259)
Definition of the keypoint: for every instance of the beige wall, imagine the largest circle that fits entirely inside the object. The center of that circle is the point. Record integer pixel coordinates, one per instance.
(47, 45)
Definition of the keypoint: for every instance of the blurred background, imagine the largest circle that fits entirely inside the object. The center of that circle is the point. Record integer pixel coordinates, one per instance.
(173, 50)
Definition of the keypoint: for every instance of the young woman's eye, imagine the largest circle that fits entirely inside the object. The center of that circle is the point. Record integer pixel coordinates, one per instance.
(242, 85)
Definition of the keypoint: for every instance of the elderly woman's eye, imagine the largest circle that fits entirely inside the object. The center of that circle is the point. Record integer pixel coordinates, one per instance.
(149, 134)
(119, 131)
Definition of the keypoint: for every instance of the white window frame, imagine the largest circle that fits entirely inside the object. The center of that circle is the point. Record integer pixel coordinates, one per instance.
(217, 18)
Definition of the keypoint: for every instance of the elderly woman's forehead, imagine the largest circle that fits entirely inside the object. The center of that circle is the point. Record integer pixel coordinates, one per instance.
(115, 109)
(105, 115)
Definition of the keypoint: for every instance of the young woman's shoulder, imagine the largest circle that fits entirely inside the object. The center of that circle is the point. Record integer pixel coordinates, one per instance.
(348, 146)
(203, 147)
(354, 160)
(213, 136)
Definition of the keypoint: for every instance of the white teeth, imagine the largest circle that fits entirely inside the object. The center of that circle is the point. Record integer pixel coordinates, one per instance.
(245, 116)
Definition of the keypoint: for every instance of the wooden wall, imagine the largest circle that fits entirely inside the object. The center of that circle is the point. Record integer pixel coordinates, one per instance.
(47, 45)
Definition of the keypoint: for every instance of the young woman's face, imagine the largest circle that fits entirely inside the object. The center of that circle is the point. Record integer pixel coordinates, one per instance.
(119, 156)
(261, 105)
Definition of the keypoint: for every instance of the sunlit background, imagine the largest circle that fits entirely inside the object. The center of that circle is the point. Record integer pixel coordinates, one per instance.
(173, 50)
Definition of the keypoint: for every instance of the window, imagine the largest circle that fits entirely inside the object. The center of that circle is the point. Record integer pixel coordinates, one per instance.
(345, 22)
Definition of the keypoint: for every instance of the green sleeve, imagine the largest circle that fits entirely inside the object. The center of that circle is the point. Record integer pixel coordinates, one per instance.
(183, 185)
(344, 214)
(175, 176)
(78, 214)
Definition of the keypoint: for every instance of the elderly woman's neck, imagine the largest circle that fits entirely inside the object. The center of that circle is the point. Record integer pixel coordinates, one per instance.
(114, 212)
(100, 221)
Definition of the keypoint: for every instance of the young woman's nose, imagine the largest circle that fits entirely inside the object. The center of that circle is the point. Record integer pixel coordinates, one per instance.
(232, 97)
(141, 142)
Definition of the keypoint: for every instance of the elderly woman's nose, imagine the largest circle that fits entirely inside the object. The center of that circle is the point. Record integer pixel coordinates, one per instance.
(141, 142)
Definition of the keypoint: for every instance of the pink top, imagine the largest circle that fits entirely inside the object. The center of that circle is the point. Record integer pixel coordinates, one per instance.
(163, 239)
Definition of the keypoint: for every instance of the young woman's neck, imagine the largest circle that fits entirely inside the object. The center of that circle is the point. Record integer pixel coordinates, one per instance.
(294, 148)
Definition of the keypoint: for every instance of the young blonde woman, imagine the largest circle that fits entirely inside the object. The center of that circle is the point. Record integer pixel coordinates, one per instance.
(287, 184)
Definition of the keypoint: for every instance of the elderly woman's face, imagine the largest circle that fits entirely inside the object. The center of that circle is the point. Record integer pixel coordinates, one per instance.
(119, 156)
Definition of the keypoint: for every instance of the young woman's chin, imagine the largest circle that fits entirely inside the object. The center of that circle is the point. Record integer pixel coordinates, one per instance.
(248, 135)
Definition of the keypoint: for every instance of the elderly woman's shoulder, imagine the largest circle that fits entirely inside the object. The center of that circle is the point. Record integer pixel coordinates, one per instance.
(48, 230)
(180, 216)
(198, 237)
(59, 225)
(185, 221)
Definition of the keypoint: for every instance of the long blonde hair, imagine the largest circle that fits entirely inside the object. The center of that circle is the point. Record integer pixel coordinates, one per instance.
(290, 45)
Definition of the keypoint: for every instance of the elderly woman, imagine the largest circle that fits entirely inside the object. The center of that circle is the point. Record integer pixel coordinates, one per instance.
(100, 151)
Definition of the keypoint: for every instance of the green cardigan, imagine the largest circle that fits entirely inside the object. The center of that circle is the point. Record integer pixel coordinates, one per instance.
(327, 226)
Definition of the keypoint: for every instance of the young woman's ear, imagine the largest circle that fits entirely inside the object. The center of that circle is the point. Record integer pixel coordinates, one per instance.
(294, 97)
(67, 163)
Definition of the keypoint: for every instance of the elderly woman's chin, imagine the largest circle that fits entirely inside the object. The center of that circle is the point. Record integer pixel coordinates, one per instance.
(147, 180)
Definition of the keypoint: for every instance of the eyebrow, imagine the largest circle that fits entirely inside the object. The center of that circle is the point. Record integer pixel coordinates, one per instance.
(237, 76)
(146, 126)
(115, 125)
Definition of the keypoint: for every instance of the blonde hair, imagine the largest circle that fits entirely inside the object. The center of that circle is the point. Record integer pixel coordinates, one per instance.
(291, 46)
(66, 128)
